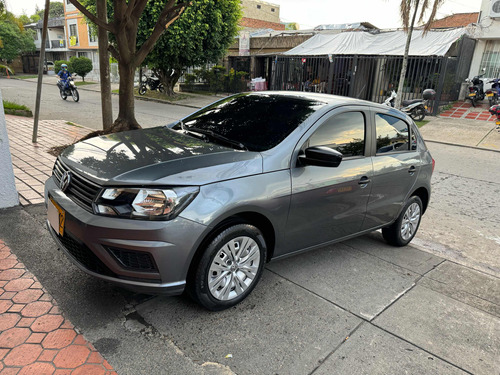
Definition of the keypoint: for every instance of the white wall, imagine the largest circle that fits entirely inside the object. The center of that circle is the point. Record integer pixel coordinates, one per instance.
(8, 192)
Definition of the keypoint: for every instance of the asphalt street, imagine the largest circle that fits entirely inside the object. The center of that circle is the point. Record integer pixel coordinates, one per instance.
(87, 111)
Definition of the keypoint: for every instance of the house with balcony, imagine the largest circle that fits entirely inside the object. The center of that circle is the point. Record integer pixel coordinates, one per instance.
(56, 46)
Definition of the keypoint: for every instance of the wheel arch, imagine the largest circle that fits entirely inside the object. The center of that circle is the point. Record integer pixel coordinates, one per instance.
(423, 194)
(256, 219)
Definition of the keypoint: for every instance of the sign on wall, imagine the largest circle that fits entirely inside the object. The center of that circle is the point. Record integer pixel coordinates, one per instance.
(244, 43)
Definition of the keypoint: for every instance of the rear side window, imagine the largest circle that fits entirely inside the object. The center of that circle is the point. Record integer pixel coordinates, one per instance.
(392, 134)
(344, 132)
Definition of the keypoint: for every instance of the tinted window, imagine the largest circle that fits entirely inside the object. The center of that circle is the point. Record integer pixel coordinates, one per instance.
(392, 134)
(344, 133)
(258, 121)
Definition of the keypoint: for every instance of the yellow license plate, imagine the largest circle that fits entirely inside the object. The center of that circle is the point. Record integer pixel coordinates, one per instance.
(56, 216)
(472, 94)
(489, 94)
(497, 122)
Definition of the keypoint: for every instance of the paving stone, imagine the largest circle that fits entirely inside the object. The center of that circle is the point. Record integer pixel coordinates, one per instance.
(25, 322)
(38, 368)
(89, 369)
(47, 323)
(13, 337)
(36, 338)
(18, 285)
(72, 356)
(23, 355)
(452, 330)
(27, 296)
(7, 263)
(354, 280)
(47, 355)
(5, 304)
(372, 351)
(11, 274)
(58, 339)
(8, 321)
(35, 309)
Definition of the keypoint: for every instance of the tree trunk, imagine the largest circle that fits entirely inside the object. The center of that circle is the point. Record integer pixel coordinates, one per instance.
(126, 115)
(170, 82)
(402, 77)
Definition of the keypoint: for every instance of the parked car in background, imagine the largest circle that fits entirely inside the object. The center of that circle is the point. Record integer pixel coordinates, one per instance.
(49, 67)
(202, 204)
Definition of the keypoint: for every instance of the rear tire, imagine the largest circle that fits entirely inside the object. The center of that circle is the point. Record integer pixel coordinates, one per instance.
(229, 269)
(402, 231)
(418, 114)
(63, 94)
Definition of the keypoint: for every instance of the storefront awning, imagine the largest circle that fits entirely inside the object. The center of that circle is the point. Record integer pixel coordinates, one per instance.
(391, 43)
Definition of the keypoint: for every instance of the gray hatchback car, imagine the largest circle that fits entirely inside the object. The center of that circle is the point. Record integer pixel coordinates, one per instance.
(201, 205)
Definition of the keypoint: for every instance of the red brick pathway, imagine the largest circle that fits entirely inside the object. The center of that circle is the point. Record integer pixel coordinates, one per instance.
(32, 164)
(35, 338)
(464, 110)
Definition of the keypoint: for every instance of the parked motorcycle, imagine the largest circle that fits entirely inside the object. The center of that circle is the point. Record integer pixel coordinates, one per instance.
(416, 108)
(151, 83)
(476, 89)
(493, 93)
(68, 89)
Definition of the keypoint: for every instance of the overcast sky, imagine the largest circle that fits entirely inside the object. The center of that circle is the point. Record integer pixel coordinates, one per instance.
(310, 13)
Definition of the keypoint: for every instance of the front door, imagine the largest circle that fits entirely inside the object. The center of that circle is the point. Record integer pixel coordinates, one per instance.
(330, 203)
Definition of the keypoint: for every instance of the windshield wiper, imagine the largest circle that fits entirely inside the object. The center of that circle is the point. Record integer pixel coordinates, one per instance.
(195, 134)
(217, 136)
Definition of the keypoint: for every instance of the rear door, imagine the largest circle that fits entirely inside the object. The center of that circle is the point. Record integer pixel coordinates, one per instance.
(329, 203)
(396, 165)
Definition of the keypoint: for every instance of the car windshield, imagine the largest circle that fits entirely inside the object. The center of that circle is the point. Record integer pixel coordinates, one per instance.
(258, 122)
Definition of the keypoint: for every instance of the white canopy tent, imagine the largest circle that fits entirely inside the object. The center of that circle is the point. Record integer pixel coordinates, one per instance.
(391, 43)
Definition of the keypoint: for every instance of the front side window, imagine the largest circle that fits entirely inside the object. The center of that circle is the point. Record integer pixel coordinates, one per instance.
(392, 134)
(92, 34)
(344, 132)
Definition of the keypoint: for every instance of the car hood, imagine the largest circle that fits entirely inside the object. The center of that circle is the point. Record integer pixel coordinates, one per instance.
(158, 156)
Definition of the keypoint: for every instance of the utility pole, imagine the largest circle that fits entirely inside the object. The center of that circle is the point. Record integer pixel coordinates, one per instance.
(40, 70)
(106, 105)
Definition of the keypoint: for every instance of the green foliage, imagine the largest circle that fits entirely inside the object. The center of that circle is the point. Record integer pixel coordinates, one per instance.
(58, 63)
(201, 35)
(216, 80)
(56, 9)
(81, 66)
(291, 26)
(11, 105)
(14, 40)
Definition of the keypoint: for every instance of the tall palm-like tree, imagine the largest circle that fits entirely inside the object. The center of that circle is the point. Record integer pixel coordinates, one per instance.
(409, 9)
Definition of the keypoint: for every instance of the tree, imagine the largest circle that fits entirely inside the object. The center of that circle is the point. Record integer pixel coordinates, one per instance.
(14, 40)
(81, 66)
(201, 35)
(56, 9)
(410, 8)
(123, 26)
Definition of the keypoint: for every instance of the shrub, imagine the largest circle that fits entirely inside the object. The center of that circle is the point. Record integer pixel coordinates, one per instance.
(81, 66)
(58, 63)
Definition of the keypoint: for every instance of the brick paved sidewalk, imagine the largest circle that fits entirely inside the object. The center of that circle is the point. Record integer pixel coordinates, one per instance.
(35, 338)
(464, 110)
(32, 164)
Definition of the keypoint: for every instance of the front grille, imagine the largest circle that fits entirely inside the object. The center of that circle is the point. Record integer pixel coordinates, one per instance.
(85, 256)
(134, 260)
(80, 190)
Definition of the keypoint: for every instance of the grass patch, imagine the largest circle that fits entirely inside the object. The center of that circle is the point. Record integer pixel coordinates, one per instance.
(421, 123)
(115, 91)
(73, 124)
(83, 83)
(11, 108)
(27, 76)
(159, 95)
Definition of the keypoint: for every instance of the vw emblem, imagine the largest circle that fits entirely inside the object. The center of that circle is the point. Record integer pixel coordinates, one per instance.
(65, 180)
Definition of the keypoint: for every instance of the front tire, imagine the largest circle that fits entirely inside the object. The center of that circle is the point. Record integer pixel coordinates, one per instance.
(142, 89)
(230, 267)
(161, 88)
(402, 231)
(75, 95)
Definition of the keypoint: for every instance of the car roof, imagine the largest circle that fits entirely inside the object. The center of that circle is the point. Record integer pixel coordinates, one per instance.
(326, 98)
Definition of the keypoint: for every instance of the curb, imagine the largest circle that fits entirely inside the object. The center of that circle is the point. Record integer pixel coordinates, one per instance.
(459, 145)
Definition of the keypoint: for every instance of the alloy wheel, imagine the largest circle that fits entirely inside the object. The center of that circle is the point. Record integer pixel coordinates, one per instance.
(410, 221)
(234, 268)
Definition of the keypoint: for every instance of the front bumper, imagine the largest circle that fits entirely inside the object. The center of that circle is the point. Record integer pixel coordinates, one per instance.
(92, 242)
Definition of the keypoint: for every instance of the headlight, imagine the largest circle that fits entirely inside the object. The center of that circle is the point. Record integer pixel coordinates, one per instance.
(146, 204)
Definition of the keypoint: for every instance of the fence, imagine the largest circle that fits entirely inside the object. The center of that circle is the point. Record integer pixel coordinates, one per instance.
(374, 77)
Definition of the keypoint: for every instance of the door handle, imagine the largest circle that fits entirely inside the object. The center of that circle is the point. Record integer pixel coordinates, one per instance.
(364, 180)
(412, 170)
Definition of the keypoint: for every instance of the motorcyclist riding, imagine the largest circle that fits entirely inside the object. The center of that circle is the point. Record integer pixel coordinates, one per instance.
(64, 74)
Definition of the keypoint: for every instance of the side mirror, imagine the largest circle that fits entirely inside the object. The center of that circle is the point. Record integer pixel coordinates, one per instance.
(321, 156)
